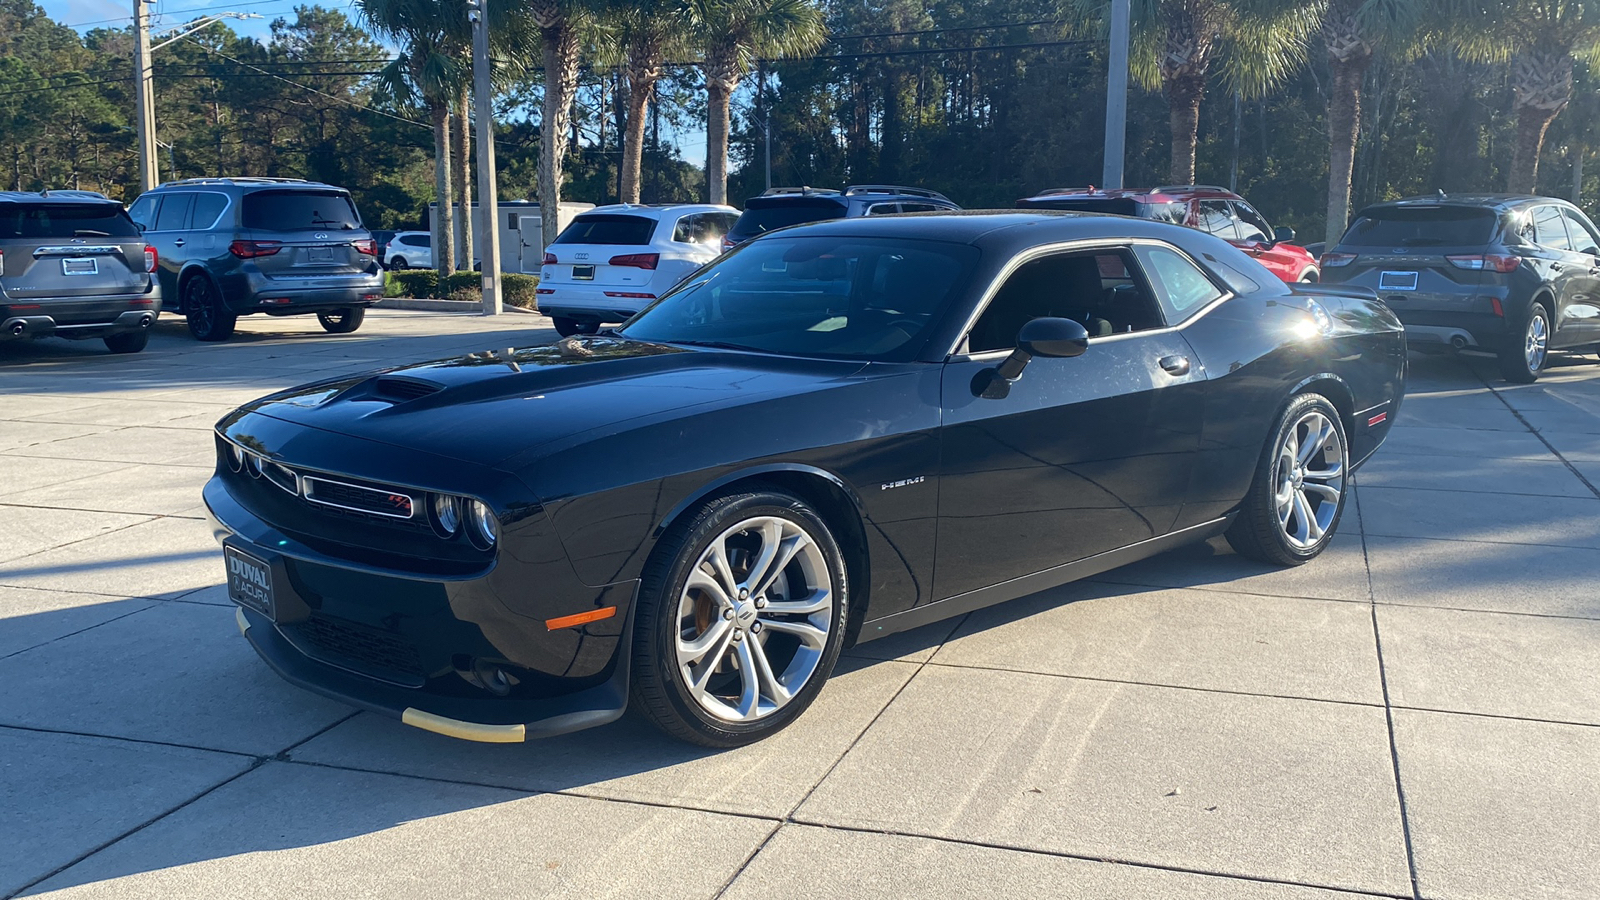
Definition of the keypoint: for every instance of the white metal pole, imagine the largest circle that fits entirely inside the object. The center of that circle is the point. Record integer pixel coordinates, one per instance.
(1117, 95)
(488, 199)
(144, 98)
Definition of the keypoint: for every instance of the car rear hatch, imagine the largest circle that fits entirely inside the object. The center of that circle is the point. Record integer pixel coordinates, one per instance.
(56, 253)
(764, 214)
(1425, 258)
(605, 251)
(304, 233)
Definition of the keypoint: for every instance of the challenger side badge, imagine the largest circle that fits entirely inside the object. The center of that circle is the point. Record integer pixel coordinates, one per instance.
(902, 483)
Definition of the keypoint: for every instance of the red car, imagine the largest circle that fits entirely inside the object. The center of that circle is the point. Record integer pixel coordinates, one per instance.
(1215, 210)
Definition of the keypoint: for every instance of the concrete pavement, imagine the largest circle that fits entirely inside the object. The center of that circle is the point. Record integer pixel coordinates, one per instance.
(1415, 714)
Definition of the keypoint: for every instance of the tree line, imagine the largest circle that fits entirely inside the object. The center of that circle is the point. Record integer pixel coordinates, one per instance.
(1308, 109)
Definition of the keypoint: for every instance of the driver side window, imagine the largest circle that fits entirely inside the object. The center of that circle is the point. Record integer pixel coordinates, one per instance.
(1097, 289)
(1584, 239)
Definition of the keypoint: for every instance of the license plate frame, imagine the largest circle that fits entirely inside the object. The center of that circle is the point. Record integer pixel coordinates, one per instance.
(319, 254)
(583, 273)
(250, 582)
(80, 265)
(1397, 280)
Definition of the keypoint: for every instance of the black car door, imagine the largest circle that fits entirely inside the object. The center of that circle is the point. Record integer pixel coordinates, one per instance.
(1083, 455)
(1582, 325)
(169, 236)
(1558, 265)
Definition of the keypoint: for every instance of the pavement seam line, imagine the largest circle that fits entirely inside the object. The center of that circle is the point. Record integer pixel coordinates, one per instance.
(62, 637)
(147, 519)
(1542, 439)
(126, 740)
(1157, 685)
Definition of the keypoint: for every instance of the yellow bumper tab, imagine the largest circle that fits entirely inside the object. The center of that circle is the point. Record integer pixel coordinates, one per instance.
(467, 731)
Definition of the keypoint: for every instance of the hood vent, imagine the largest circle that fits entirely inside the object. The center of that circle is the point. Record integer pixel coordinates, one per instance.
(402, 390)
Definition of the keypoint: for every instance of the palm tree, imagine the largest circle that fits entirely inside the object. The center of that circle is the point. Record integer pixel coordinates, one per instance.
(1351, 31)
(423, 67)
(1539, 39)
(733, 34)
(561, 25)
(643, 36)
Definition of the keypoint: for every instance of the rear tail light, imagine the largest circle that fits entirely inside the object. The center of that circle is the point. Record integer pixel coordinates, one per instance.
(1335, 260)
(549, 260)
(630, 296)
(727, 243)
(367, 247)
(637, 260)
(254, 249)
(544, 290)
(1486, 262)
(1496, 307)
(150, 259)
(2, 262)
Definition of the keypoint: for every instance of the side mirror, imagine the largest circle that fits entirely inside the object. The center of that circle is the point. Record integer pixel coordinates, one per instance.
(1282, 235)
(1047, 337)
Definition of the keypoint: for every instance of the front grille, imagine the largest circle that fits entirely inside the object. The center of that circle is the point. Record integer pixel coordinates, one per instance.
(359, 647)
(393, 503)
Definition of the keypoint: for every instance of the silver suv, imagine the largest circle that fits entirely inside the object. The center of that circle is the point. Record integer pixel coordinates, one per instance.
(229, 247)
(72, 264)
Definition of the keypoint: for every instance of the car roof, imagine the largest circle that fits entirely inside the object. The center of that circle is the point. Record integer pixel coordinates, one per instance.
(250, 183)
(1499, 202)
(1003, 230)
(867, 193)
(57, 197)
(1169, 193)
(658, 209)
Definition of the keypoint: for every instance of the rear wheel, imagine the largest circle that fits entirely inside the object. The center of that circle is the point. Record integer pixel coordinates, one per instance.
(399, 262)
(567, 326)
(127, 341)
(342, 321)
(1297, 496)
(741, 617)
(1521, 361)
(1310, 276)
(209, 319)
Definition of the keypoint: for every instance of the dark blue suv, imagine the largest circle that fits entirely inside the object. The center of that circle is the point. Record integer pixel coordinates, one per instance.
(229, 247)
(781, 207)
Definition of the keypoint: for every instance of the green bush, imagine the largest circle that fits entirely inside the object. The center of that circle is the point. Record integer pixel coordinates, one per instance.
(519, 290)
(392, 286)
(467, 295)
(417, 283)
(458, 282)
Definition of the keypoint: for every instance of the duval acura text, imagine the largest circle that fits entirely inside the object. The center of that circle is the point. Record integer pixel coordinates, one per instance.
(830, 434)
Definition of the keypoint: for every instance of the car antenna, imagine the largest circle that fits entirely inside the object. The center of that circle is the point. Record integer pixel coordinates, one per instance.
(1441, 193)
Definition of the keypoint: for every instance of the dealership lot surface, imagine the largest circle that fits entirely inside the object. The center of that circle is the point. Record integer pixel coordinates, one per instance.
(1417, 713)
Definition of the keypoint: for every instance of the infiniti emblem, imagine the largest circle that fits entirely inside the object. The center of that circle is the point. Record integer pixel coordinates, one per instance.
(321, 235)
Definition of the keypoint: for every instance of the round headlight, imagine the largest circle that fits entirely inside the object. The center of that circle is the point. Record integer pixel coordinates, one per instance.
(446, 514)
(235, 456)
(252, 464)
(482, 527)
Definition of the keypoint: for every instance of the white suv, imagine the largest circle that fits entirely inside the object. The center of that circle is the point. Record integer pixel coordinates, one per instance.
(613, 261)
(409, 250)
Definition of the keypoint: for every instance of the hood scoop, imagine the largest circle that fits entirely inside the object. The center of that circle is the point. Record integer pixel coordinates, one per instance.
(399, 389)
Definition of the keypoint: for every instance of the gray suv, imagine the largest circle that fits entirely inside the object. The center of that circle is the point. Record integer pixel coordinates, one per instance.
(229, 247)
(72, 264)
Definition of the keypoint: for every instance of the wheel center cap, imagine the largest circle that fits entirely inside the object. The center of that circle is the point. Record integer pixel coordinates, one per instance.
(744, 615)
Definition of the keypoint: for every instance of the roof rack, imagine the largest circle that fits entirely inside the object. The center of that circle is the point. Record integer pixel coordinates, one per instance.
(62, 194)
(1165, 188)
(894, 189)
(1087, 189)
(804, 190)
(243, 179)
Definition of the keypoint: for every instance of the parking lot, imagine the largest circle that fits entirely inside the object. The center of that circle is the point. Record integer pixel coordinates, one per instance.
(1415, 714)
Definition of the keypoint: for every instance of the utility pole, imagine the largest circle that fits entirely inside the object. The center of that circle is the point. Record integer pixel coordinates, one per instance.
(488, 198)
(766, 131)
(144, 97)
(1117, 95)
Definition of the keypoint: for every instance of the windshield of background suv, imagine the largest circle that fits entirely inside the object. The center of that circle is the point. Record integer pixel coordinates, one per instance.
(760, 219)
(607, 229)
(61, 220)
(834, 297)
(299, 211)
(1424, 226)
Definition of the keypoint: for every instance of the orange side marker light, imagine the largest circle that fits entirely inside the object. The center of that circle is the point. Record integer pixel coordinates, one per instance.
(583, 618)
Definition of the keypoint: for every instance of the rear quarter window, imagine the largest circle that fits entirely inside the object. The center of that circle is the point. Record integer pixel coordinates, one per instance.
(1428, 226)
(64, 220)
(761, 219)
(300, 211)
(608, 229)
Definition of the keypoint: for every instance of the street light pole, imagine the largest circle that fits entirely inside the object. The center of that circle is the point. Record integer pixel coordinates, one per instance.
(144, 97)
(1116, 95)
(488, 198)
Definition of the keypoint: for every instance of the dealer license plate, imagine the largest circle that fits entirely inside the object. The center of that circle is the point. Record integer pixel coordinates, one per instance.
(249, 582)
(1397, 281)
(583, 273)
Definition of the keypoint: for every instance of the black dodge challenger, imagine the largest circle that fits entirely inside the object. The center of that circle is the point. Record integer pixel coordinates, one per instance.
(833, 433)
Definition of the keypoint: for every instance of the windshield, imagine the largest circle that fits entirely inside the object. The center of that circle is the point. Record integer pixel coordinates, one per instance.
(299, 211)
(60, 220)
(1427, 226)
(762, 219)
(608, 229)
(835, 297)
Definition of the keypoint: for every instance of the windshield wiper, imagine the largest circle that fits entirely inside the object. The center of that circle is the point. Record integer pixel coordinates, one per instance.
(90, 232)
(718, 345)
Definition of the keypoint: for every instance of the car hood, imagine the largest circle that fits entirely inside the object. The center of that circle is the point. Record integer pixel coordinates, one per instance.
(487, 407)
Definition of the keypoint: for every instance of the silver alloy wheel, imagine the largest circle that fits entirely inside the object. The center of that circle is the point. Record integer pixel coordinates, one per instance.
(1310, 479)
(754, 618)
(1535, 340)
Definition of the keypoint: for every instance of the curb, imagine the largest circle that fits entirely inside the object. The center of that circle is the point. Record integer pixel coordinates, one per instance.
(464, 307)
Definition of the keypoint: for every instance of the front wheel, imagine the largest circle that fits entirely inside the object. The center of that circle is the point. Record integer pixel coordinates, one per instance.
(342, 321)
(1298, 493)
(741, 616)
(1522, 361)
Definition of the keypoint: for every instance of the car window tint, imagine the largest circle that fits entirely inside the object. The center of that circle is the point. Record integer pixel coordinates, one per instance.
(1216, 218)
(299, 210)
(716, 225)
(760, 217)
(143, 210)
(61, 220)
(608, 228)
(1237, 281)
(207, 207)
(1180, 285)
(883, 209)
(1094, 289)
(1251, 226)
(1548, 228)
(174, 215)
(918, 207)
(683, 232)
(1421, 226)
(838, 297)
(1584, 239)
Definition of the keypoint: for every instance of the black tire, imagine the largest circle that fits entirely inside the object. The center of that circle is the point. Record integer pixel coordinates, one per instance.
(1310, 276)
(1519, 364)
(208, 317)
(660, 690)
(567, 326)
(127, 341)
(399, 262)
(342, 321)
(1258, 531)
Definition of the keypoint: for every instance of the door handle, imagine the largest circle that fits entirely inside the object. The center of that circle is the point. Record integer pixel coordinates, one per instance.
(178, 242)
(1555, 266)
(1175, 365)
